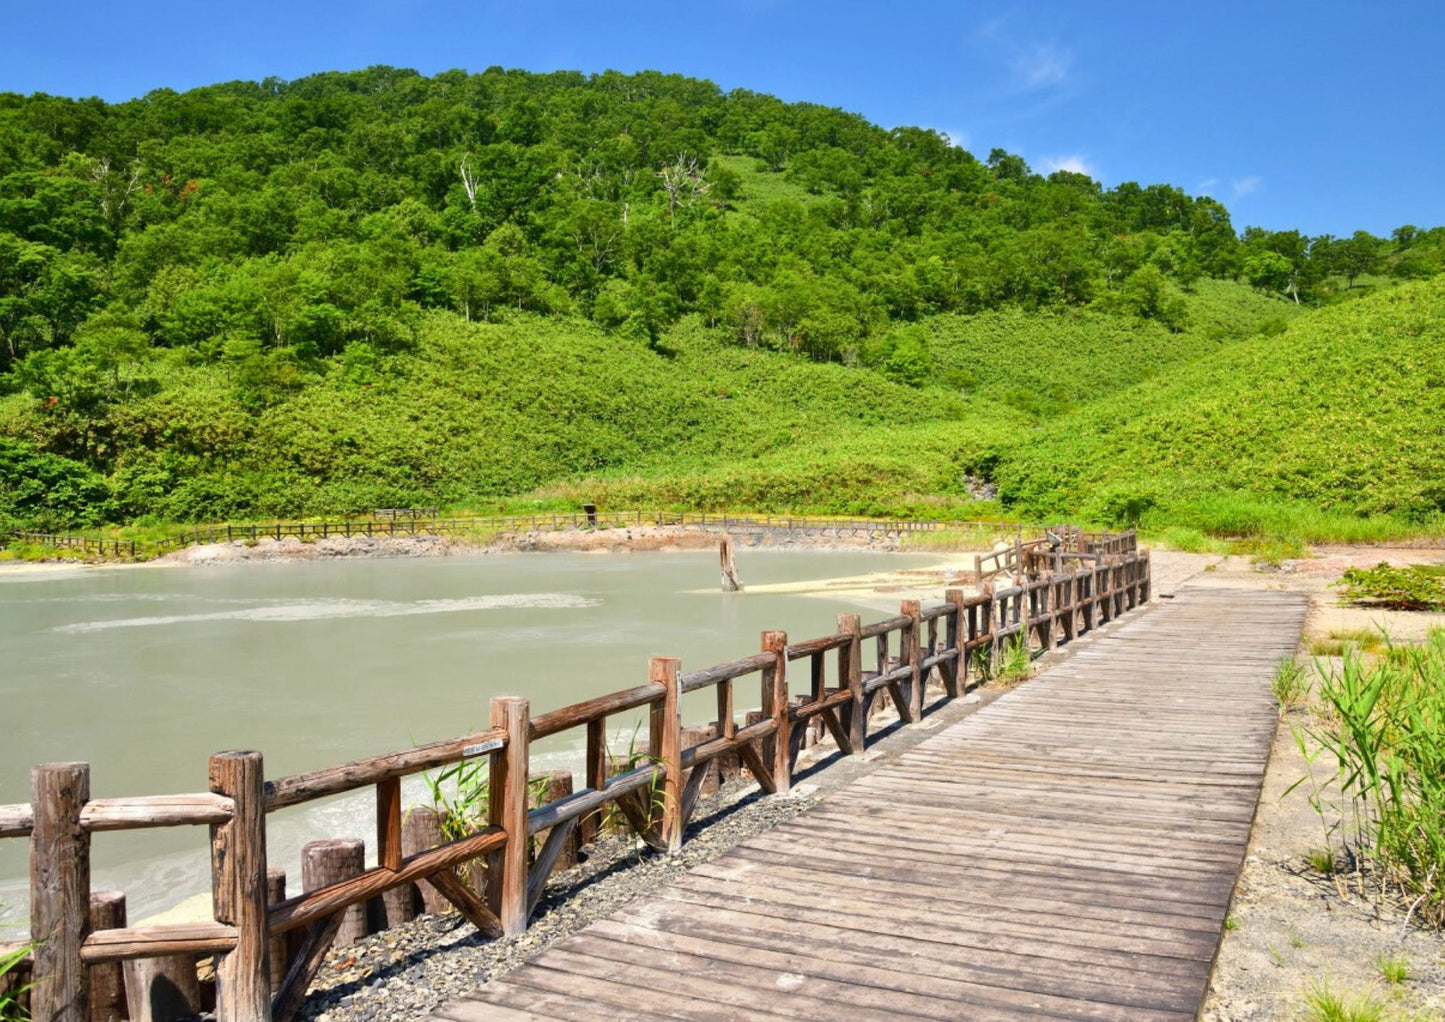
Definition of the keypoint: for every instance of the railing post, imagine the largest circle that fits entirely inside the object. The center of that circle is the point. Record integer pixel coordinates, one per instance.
(507, 795)
(238, 887)
(59, 892)
(775, 704)
(589, 826)
(911, 655)
(665, 745)
(1147, 578)
(850, 673)
(956, 671)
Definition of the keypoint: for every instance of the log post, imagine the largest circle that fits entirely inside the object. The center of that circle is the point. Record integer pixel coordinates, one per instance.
(700, 735)
(911, 654)
(398, 905)
(238, 882)
(279, 949)
(107, 984)
(507, 793)
(421, 830)
(955, 673)
(559, 786)
(331, 861)
(850, 673)
(164, 989)
(59, 892)
(589, 826)
(665, 746)
(775, 703)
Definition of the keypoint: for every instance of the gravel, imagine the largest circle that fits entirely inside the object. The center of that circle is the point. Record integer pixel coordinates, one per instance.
(407, 971)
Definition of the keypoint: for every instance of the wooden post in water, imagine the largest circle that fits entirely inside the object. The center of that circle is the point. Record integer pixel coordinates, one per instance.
(850, 673)
(664, 739)
(728, 566)
(107, 984)
(330, 861)
(59, 892)
(507, 873)
(238, 887)
(775, 702)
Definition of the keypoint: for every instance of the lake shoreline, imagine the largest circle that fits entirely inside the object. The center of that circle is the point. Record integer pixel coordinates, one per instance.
(629, 539)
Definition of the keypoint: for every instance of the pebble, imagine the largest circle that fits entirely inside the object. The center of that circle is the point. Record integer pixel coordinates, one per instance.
(398, 976)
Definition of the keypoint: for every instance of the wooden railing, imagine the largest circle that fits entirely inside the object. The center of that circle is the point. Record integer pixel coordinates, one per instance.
(398, 522)
(960, 640)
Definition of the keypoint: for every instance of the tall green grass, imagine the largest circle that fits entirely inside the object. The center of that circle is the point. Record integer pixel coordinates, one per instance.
(1384, 729)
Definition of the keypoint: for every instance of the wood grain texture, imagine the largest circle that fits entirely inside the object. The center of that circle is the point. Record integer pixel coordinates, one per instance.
(1067, 852)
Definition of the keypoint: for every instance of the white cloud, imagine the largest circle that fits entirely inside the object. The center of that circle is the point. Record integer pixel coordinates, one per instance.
(1041, 66)
(1074, 164)
(1246, 185)
(954, 137)
(1206, 186)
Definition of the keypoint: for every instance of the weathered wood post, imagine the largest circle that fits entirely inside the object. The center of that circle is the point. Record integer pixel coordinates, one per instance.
(330, 861)
(911, 654)
(398, 905)
(559, 786)
(701, 735)
(507, 875)
(59, 892)
(238, 882)
(850, 673)
(664, 739)
(727, 564)
(421, 830)
(955, 673)
(775, 703)
(107, 984)
(279, 949)
(589, 826)
(162, 989)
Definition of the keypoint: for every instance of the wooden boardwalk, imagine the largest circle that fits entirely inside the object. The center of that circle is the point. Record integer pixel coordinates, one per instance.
(1068, 852)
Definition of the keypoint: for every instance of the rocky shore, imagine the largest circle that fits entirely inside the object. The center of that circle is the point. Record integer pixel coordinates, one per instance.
(621, 540)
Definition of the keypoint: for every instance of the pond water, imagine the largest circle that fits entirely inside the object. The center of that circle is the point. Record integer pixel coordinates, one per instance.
(145, 672)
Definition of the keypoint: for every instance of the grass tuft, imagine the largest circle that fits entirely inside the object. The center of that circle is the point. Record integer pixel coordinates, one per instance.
(1290, 684)
(1394, 968)
(1323, 1004)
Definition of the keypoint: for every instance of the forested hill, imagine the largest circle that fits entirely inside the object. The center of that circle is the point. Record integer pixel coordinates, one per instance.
(181, 270)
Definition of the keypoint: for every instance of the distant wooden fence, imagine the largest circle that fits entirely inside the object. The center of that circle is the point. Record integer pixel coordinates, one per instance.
(259, 977)
(1050, 552)
(391, 522)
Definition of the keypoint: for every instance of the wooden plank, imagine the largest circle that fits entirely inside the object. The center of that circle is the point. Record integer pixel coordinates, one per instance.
(1067, 852)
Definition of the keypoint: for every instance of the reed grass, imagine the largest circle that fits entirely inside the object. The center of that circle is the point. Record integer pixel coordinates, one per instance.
(1290, 684)
(1384, 729)
(12, 999)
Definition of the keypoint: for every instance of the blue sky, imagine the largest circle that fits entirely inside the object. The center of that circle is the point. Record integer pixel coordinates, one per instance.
(1324, 116)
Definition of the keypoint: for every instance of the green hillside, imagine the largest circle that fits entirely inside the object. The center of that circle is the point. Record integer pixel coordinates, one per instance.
(1338, 418)
(373, 288)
